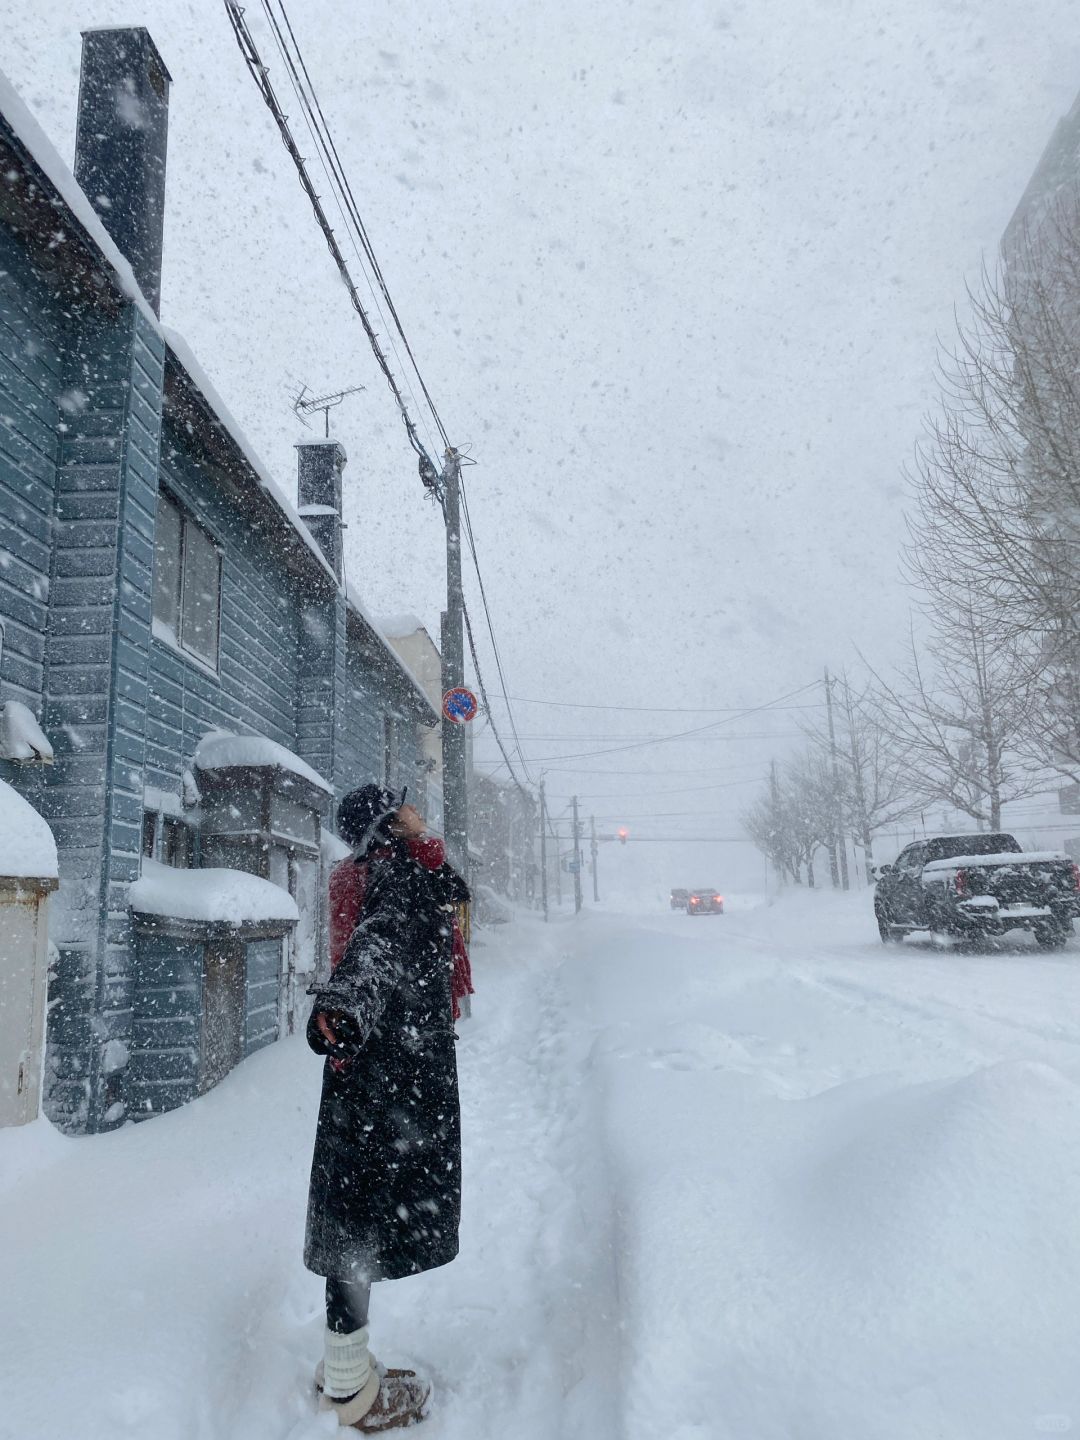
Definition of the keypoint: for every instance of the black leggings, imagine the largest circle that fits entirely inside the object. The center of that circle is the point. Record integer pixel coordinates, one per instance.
(347, 1305)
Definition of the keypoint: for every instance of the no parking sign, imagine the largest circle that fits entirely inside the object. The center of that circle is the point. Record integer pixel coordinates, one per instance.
(459, 705)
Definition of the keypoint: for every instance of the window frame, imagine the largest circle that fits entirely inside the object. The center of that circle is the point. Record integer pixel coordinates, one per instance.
(175, 637)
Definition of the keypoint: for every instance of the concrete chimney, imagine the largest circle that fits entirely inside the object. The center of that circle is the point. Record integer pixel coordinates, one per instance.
(319, 495)
(120, 144)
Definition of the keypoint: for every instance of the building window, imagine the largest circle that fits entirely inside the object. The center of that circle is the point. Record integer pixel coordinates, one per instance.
(166, 838)
(175, 843)
(187, 583)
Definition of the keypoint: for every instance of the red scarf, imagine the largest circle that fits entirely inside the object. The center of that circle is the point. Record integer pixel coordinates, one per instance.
(348, 886)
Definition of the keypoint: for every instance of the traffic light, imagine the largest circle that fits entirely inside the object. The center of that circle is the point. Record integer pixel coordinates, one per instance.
(622, 834)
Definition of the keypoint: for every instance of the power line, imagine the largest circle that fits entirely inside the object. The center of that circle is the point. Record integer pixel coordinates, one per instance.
(491, 633)
(361, 228)
(342, 191)
(659, 709)
(260, 74)
(654, 773)
(696, 730)
(680, 790)
(483, 697)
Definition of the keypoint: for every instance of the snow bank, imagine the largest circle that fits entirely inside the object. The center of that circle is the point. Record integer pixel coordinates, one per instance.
(846, 1189)
(27, 847)
(221, 750)
(230, 895)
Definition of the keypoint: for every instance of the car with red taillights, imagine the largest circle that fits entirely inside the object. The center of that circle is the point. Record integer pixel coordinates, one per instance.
(973, 886)
(705, 901)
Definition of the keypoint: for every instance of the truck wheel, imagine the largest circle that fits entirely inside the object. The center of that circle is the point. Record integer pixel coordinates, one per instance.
(889, 936)
(1051, 937)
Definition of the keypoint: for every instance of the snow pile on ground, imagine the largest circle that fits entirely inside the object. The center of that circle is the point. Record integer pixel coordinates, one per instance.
(27, 847)
(764, 1178)
(213, 894)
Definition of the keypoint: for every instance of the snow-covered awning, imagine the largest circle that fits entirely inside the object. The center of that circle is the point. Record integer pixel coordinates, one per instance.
(222, 750)
(27, 847)
(229, 896)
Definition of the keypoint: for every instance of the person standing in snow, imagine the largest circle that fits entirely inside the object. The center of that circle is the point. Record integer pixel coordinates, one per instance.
(385, 1194)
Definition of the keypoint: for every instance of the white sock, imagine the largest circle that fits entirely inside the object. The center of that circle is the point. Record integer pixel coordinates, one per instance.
(347, 1364)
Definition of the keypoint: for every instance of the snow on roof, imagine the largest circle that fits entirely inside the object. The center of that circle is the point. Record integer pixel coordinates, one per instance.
(210, 895)
(27, 847)
(40, 148)
(205, 386)
(1005, 857)
(397, 627)
(221, 749)
(183, 354)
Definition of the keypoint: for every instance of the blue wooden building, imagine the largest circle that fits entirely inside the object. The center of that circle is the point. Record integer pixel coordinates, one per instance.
(183, 636)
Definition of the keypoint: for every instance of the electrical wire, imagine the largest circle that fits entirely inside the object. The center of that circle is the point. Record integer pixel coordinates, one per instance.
(471, 540)
(658, 709)
(696, 730)
(260, 74)
(365, 240)
(484, 699)
(333, 169)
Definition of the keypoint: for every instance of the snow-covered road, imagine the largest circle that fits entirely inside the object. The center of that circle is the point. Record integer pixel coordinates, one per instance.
(749, 1177)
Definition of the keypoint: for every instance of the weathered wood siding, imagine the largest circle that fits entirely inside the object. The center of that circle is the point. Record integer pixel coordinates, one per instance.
(256, 686)
(31, 385)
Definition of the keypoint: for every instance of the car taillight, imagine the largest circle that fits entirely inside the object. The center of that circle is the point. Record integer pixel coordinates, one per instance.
(961, 882)
(719, 899)
(695, 901)
(1076, 876)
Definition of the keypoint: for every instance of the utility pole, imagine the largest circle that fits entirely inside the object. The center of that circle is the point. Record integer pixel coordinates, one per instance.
(455, 781)
(576, 860)
(558, 865)
(543, 851)
(595, 852)
(840, 845)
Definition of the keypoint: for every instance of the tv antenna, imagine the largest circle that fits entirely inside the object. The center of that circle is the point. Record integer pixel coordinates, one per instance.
(307, 404)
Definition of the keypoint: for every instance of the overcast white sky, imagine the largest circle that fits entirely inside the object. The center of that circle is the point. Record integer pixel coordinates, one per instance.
(674, 273)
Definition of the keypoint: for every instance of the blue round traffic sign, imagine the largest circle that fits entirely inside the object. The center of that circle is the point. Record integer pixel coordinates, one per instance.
(459, 705)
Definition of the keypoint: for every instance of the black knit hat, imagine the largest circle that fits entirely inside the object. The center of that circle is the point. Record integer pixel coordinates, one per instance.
(362, 815)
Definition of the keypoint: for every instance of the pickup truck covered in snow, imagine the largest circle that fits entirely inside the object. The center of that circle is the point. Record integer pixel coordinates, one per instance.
(969, 886)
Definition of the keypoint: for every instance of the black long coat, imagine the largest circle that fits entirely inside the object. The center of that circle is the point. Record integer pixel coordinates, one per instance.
(385, 1195)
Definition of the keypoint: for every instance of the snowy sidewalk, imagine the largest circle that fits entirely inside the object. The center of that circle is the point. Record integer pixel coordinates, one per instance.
(742, 1178)
(152, 1279)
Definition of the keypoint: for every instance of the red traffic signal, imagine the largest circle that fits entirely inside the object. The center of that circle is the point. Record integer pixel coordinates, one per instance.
(622, 833)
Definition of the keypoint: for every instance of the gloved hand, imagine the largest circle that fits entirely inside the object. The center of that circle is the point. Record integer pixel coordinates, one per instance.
(333, 1032)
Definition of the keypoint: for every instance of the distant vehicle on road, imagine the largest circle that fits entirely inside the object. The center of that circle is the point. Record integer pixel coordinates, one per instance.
(679, 899)
(705, 901)
(974, 886)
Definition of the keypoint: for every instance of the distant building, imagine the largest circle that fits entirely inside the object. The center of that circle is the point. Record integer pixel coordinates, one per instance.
(175, 634)
(504, 821)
